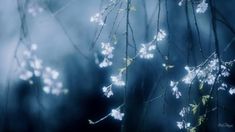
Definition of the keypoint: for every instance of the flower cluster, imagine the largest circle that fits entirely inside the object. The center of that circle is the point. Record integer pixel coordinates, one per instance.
(184, 111)
(146, 51)
(116, 114)
(32, 66)
(107, 91)
(202, 7)
(98, 19)
(107, 51)
(183, 125)
(51, 83)
(231, 91)
(175, 89)
(117, 80)
(160, 35)
(207, 72)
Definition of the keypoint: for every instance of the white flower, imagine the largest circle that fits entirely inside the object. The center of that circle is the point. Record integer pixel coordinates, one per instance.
(107, 49)
(105, 63)
(97, 18)
(116, 114)
(147, 51)
(51, 83)
(183, 124)
(202, 7)
(117, 80)
(160, 35)
(190, 75)
(231, 91)
(180, 124)
(26, 75)
(107, 91)
(175, 90)
(184, 111)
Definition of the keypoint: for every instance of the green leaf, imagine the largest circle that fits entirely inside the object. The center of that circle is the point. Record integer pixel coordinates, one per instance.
(205, 98)
(201, 119)
(201, 86)
(194, 108)
(193, 129)
(114, 39)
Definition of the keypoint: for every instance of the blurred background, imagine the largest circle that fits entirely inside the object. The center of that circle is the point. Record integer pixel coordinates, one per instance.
(64, 35)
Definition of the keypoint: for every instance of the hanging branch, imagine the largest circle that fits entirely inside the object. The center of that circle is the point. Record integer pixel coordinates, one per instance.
(126, 56)
(197, 30)
(75, 46)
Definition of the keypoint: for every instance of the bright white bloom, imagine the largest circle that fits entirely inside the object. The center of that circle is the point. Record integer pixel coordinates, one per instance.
(183, 124)
(190, 75)
(36, 64)
(116, 114)
(107, 51)
(160, 35)
(97, 18)
(207, 71)
(175, 90)
(147, 51)
(202, 7)
(180, 124)
(184, 111)
(117, 80)
(231, 91)
(107, 91)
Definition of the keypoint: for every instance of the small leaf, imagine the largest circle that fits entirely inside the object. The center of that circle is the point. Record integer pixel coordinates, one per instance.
(205, 99)
(193, 129)
(201, 119)
(194, 108)
(201, 86)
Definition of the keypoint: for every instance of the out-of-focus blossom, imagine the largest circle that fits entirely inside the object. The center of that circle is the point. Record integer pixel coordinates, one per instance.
(97, 18)
(202, 7)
